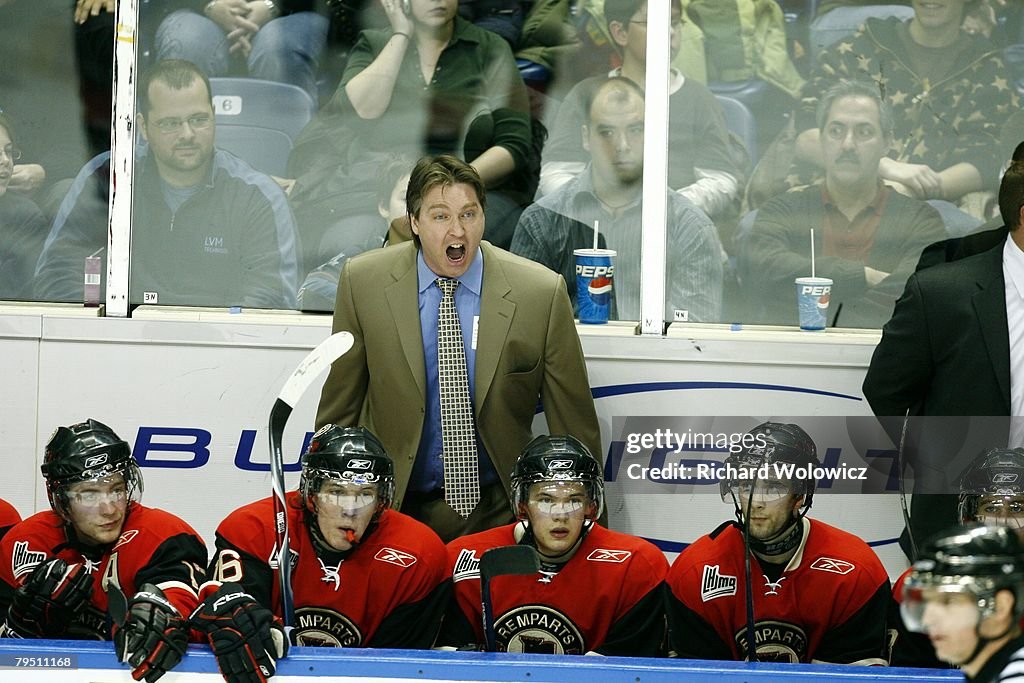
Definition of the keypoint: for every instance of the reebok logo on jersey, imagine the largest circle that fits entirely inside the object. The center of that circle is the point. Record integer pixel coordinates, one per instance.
(126, 537)
(560, 464)
(357, 464)
(467, 566)
(602, 555)
(95, 461)
(827, 564)
(23, 560)
(392, 556)
(715, 584)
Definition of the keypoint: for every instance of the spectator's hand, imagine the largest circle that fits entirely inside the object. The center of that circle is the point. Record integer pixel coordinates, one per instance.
(259, 13)
(400, 21)
(240, 42)
(285, 184)
(980, 18)
(153, 637)
(27, 178)
(919, 180)
(50, 599)
(91, 8)
(229, 15)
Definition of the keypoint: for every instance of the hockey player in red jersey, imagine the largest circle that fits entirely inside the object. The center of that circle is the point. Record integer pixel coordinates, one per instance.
(819, 594)
(58, 567)
(597, 591)
(363, 575)
(8, 517)
(966, 592)
(992, 493)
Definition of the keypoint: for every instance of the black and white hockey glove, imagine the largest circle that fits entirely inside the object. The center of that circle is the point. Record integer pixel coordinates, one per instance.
(49, 600)
(154, 635)
(246, 637)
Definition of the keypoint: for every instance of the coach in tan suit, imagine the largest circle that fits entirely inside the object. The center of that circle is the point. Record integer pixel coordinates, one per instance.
(516, 319)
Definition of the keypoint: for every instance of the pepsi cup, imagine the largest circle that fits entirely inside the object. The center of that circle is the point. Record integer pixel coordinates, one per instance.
(812, 297)
(595, 270)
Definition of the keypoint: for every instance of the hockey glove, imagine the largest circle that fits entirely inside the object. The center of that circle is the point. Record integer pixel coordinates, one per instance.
(49, 600)
(246, 637)
(153, 636)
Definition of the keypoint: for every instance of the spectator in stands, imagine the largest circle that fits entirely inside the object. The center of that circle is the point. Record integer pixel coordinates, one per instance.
(867, 237)
(320, 288)
(819, 593)
(700, 165)
(22, 226)
(949, 91)
(596, 591)
(431, 83)
(209, 230)
(608, 190)
(276, 40)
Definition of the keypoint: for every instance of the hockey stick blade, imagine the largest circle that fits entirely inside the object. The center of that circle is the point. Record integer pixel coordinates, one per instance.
(318, 360)
(509, 560)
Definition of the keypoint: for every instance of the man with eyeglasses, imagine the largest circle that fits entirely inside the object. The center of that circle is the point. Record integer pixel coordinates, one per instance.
(598, 591)
(60, 569)
(363, 575)
(819, 594)
(208, 229)
(23, 226)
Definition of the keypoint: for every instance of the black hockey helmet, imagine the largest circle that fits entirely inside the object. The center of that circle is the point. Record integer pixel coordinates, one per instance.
(86, 451)
(351, 454)
(995, 472)
(556, 458)
(978, 560)
(780, 446)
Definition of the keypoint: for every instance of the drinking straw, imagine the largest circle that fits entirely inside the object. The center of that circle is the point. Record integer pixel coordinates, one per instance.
(596, 225)
(812, 252)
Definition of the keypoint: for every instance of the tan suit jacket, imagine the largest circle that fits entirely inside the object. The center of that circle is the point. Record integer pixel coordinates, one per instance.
(527, 349)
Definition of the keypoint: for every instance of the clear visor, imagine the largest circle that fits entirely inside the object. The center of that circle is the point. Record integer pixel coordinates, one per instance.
(943, 608)
(555, 499)
(1001, 510)
(346, 496)
(94, 493)
(766, 491)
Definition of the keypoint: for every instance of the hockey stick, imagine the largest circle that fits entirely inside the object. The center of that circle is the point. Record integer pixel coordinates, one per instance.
(318, 360)
(901, 465)
(749, 576)
(509, 560)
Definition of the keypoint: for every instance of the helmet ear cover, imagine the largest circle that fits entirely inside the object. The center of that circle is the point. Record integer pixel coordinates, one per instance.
(557, 459)
(86, 451)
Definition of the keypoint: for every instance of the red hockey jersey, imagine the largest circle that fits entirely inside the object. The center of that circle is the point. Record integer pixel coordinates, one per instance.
(389, 591)
(829, 604)
(608, 598)
(154, 547)
(8, 517)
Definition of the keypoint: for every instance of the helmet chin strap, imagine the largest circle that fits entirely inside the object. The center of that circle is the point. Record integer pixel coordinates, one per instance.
(983, 641)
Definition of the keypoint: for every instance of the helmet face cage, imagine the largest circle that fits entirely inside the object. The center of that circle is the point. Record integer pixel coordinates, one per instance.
(346, 454)
(779, 448)
(87, 451)
(557, 459)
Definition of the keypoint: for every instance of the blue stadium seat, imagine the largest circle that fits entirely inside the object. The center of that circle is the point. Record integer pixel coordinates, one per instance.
(740, 120)
(259, 120)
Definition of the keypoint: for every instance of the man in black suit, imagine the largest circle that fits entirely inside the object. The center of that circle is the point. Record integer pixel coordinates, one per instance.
(946, 352)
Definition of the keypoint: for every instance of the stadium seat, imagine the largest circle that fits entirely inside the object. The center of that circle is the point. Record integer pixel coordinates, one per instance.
(740, 121)
(258, 120)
